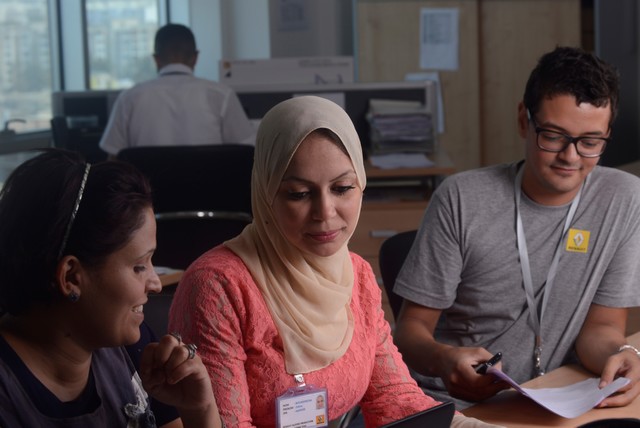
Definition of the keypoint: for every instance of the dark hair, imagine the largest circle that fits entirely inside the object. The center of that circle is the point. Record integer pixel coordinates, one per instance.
(573, 71)
(36, 205)
(174, 42)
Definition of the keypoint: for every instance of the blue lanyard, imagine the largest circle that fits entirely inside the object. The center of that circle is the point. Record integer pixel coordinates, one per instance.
(536, 319)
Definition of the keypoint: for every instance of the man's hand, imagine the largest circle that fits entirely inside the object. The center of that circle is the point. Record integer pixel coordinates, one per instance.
(625, 363)
(598, 346)
(421, 352)
(459, 376)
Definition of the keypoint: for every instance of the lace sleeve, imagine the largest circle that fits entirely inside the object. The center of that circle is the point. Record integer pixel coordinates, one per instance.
(392, 393)
(205, 313)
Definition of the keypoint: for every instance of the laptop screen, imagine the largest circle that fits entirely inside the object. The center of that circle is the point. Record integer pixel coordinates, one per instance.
(439, 416)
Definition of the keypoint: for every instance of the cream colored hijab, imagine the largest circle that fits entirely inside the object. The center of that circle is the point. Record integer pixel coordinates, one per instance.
(308, 295)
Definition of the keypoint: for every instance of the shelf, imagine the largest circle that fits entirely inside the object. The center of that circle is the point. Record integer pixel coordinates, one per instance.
(442, 166)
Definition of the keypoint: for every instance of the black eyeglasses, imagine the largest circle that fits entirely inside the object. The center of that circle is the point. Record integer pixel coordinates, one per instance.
(555, 142)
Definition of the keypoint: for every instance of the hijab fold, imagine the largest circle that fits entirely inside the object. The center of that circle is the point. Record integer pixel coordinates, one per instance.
(308, 296)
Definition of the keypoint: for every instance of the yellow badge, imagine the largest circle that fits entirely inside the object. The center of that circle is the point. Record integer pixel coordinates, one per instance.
(578, 241)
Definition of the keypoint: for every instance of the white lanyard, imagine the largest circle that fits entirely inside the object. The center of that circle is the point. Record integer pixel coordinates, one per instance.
(536, 319)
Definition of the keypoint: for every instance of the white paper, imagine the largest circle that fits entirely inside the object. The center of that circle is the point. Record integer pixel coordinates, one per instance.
(568, 401)
(401, 160)
(164, 270)
(292, 15)
(276, 71)
(439, 38)
(435, 77)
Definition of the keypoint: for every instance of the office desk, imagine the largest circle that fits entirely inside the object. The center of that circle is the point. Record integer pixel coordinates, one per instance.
(514, 410)
(171, 278)
(442, 166)
(394, 201)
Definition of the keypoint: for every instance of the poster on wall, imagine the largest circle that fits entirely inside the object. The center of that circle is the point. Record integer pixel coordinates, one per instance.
(439, 38)
(292, 15)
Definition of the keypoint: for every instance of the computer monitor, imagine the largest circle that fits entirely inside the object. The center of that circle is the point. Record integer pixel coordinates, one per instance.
(84, 108)
(79, 119)
(354, 98)
(89, 111)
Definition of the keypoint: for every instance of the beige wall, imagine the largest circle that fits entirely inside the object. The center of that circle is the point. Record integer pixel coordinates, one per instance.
(500, 42)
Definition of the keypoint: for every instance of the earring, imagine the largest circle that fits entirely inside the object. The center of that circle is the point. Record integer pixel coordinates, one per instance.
(73, 297)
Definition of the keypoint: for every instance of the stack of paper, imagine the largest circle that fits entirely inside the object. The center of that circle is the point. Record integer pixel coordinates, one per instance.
(400, 126)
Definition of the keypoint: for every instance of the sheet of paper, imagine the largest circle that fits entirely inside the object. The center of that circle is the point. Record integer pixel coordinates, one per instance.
(439, 39)
(164, 270)
(401, 160)
(433, 76)
(568, 401)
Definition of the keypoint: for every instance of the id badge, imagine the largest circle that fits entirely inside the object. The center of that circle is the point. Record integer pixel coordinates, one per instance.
(302, 407)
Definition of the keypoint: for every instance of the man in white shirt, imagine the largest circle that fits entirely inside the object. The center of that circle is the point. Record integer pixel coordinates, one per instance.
(176, 108)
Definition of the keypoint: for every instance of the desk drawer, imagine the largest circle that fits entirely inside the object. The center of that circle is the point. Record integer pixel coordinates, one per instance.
(378, 223)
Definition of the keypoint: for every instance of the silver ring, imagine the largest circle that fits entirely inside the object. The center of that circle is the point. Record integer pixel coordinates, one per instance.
(192, 350)
(177, 336)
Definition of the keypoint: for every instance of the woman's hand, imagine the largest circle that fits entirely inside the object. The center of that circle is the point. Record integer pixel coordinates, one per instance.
(173, 373)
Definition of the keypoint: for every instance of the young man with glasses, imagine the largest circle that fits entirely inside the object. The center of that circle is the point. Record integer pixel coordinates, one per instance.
(536, 259)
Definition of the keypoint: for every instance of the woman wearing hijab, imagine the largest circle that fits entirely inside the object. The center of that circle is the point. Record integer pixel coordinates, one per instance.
(284, 312)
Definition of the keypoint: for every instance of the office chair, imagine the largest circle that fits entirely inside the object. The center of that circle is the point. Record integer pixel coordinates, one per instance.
(183, 236)
(59, 132)
(196, 178)
(393, 252)
(201, 196)
(156, 310)
(84, 139)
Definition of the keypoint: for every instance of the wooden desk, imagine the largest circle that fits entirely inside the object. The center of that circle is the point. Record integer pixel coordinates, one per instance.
(632, 167)
(172, 278)
(442, 165)
(394, 201)
(514, 410)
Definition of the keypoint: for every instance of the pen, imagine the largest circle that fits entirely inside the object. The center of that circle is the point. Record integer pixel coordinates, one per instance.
(482, 368)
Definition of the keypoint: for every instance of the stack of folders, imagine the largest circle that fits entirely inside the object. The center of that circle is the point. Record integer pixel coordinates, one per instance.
(400, 126)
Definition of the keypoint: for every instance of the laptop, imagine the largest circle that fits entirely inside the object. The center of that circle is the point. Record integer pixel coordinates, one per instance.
(439, 416)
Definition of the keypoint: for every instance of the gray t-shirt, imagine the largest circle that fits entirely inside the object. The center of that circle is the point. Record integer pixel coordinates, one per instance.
(465, 261)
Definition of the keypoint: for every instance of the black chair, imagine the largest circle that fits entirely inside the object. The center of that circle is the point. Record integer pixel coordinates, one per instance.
(156, 310)
(196, 178)
(393, 252)
(201, 195)
(183, 236)
(83, 138)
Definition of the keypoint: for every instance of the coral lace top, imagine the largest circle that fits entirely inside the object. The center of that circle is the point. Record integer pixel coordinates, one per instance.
(219, 307)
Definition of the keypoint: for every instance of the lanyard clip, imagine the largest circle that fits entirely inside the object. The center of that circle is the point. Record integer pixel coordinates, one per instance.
(537, 356)
(299, 378)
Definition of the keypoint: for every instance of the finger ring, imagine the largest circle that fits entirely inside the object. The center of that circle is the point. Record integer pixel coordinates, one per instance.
(177, 336)
(192, 350)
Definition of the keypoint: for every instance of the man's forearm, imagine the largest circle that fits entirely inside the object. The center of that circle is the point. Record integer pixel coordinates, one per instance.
(419, 349)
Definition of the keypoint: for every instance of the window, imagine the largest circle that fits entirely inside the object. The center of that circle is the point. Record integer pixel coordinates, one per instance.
(120, 41)
(25, 64)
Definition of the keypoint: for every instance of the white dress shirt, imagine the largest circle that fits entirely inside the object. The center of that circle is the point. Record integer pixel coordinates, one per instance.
(176, 108)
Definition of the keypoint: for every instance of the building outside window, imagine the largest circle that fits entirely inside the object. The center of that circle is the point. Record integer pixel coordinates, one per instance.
(120, 41)
(119, 44)
(25, 64)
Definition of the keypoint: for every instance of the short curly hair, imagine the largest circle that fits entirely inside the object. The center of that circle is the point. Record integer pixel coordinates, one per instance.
(576, 72)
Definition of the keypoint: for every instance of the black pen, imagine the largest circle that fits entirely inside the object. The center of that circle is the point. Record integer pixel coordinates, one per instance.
(482, 368)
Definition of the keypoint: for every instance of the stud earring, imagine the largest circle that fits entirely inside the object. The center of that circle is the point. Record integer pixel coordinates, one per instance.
(73, 297)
